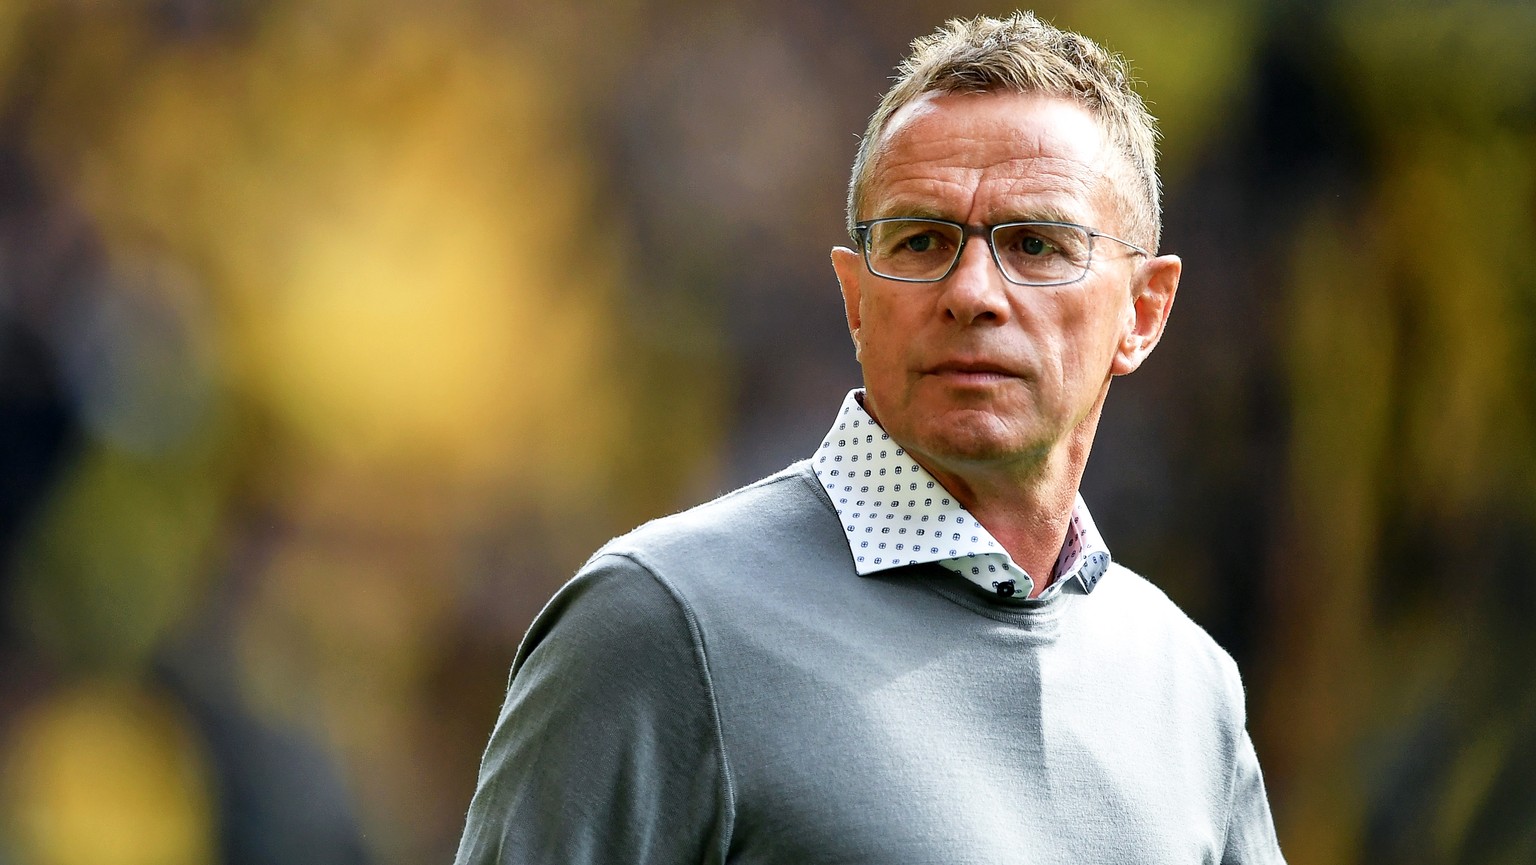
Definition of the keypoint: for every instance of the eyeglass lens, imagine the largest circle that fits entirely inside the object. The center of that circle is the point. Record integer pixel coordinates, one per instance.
(1031, 253)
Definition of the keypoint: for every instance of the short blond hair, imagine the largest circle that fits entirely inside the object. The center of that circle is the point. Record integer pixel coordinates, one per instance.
(1024, 54)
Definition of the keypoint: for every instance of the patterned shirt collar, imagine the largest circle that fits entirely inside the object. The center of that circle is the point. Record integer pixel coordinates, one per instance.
(895, 513)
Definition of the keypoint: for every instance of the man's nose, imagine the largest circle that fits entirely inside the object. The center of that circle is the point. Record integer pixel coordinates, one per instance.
(975, 291)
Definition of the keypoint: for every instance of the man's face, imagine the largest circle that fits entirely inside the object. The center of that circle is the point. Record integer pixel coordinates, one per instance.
(974, 371)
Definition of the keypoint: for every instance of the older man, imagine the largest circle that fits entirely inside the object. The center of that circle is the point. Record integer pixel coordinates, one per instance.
(913, 647)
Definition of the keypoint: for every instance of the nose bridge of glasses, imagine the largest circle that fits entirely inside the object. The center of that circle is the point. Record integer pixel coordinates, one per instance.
(988, 253)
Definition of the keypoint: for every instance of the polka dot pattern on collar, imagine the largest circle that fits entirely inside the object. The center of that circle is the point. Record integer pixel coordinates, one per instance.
(895, 513)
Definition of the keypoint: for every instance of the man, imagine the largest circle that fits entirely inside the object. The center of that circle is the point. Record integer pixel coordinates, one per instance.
(912, 648)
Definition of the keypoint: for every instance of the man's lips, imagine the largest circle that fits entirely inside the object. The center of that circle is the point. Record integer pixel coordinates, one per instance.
(977, 371)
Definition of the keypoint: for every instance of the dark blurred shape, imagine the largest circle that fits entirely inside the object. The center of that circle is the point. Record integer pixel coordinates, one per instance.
(37, 422)
(279, 799)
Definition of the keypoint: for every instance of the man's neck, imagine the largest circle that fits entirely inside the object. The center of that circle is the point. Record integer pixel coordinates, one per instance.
(1027, 508)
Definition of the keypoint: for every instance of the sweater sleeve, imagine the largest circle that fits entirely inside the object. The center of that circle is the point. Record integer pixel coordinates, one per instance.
(607, 748)
(1250, 827)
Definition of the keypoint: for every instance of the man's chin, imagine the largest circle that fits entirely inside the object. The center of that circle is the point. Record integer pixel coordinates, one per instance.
(977, 443)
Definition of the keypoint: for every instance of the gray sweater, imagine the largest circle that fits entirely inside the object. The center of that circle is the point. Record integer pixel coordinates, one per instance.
(720, 686)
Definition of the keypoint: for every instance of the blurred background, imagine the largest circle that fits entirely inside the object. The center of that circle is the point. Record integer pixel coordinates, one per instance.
(334, 335)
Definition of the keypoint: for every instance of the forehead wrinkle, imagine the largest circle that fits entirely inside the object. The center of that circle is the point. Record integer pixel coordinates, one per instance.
(1051, 189)
(921, 196)
(1059, 191)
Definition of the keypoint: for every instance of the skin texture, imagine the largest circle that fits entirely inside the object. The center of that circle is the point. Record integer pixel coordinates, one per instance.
(996, 388)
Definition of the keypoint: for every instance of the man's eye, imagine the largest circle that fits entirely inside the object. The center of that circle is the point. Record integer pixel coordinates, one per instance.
(918, 243)
(1034, 245)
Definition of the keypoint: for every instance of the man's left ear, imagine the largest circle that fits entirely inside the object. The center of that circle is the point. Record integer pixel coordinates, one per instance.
(1153, 286)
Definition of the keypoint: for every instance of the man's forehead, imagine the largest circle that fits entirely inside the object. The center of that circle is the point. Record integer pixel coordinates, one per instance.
(1017, 124)
(942, 140)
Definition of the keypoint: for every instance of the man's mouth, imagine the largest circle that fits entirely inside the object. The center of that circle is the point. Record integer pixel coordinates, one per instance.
(971, 372)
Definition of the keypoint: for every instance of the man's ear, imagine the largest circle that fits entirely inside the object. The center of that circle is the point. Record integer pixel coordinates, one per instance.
(849, 266)
(1152, 290)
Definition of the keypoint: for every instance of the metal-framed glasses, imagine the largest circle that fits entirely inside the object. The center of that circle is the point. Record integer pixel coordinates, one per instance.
(912, 249)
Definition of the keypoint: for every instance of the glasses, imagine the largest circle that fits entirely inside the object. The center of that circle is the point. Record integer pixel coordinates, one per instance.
(909, 249)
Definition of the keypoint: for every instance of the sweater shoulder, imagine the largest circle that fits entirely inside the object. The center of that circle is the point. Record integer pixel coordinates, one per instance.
(741, 559)
(752, 516)
(1138, 607)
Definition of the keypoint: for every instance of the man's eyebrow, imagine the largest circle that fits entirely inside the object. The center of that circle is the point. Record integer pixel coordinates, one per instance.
(1046, 213)
(913, 210)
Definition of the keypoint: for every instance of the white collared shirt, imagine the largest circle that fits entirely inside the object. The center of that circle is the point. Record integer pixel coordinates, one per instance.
(895, 513)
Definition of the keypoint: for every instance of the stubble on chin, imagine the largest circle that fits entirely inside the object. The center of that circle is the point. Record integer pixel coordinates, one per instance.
(961, 439)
